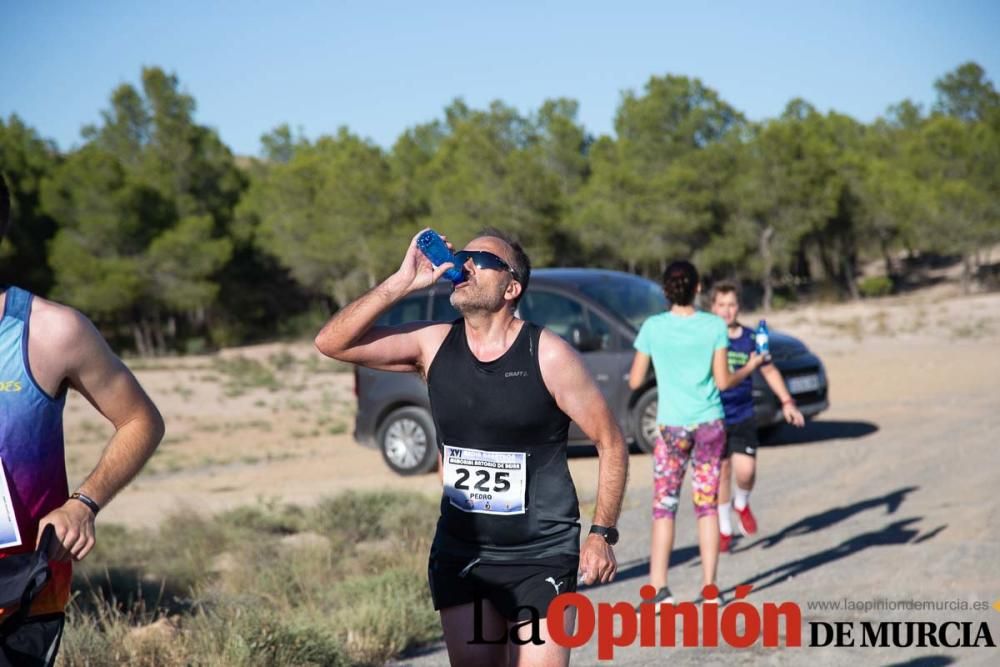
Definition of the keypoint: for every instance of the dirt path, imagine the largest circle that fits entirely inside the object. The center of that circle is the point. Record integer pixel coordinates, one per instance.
(893, 493)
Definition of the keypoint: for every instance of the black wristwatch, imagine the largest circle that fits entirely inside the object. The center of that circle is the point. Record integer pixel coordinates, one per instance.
(610, 535)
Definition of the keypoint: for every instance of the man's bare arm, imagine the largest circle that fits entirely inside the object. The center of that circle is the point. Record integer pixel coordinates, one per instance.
(576, 393)
(350, 336)
(110, 386)
(93, 369)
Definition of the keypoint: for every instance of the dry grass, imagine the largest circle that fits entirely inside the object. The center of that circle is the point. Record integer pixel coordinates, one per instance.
(343, 583)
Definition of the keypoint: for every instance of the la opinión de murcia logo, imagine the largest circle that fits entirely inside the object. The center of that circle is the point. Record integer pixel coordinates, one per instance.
(738, 624)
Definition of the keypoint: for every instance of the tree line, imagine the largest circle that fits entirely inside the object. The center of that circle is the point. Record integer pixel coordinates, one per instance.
(170, 242)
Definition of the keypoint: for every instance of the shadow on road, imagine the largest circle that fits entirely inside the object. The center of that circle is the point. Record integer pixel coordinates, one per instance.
(895, 533)
(641, 568)
(827, 518)
(925, 661)
(816, 432)
(898, 532)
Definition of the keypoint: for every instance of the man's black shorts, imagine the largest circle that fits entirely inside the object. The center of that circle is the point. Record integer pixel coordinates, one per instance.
(741, 438)
(508, 585)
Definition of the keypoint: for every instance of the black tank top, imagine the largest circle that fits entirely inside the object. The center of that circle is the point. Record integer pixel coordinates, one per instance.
(502, 406)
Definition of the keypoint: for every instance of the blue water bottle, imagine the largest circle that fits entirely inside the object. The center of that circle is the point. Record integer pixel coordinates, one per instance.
(763, 340)
(432, 245)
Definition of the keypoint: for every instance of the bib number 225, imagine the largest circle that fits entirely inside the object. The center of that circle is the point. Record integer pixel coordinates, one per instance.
(500, 480)
(483, 481)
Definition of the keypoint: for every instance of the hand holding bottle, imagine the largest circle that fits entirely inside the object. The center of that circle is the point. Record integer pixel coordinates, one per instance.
(417, 271)
(438, 251)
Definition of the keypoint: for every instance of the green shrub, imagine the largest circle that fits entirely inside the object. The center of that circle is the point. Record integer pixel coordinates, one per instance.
(371, 516)
(875, 286)
(382, 615)
(196, 345)
(257, 635)
(266, 518)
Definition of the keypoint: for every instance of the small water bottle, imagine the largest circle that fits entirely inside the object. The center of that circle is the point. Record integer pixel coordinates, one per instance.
(433, 246)
(763, 340)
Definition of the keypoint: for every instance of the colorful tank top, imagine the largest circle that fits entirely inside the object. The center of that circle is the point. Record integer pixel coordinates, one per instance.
(31, 446)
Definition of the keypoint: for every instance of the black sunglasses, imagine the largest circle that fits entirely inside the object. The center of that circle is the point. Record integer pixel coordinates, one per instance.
(484, 260)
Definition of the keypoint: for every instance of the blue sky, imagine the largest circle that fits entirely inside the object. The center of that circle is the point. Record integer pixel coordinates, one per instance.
(380, 67)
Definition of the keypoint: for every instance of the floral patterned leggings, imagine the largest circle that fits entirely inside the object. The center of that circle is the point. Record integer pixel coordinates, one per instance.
(704, 444)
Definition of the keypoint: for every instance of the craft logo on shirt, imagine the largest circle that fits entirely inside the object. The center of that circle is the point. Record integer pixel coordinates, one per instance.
(9, 386)
(516, 374)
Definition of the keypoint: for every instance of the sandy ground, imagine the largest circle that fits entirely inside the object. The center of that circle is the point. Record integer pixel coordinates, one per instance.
(892, 493)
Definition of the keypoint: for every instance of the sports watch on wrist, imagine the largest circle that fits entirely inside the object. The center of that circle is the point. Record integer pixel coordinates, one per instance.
(610, 534)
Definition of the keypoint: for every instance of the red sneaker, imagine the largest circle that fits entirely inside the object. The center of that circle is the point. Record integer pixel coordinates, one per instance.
(725, 541)
(747, 522)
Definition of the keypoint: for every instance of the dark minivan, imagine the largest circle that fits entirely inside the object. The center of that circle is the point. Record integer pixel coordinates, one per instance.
(599, 312)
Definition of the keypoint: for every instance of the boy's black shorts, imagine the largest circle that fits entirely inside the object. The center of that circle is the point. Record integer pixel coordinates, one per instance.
(510, 586)
(741, 438)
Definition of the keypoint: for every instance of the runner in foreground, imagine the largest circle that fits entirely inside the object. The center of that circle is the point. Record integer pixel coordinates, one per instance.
(45, 348)
(502, 393)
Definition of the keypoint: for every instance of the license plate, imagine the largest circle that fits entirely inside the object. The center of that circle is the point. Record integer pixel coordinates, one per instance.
(803, 384)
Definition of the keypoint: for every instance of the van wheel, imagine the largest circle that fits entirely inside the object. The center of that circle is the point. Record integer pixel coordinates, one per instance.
(644, 421)
(408, 441)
